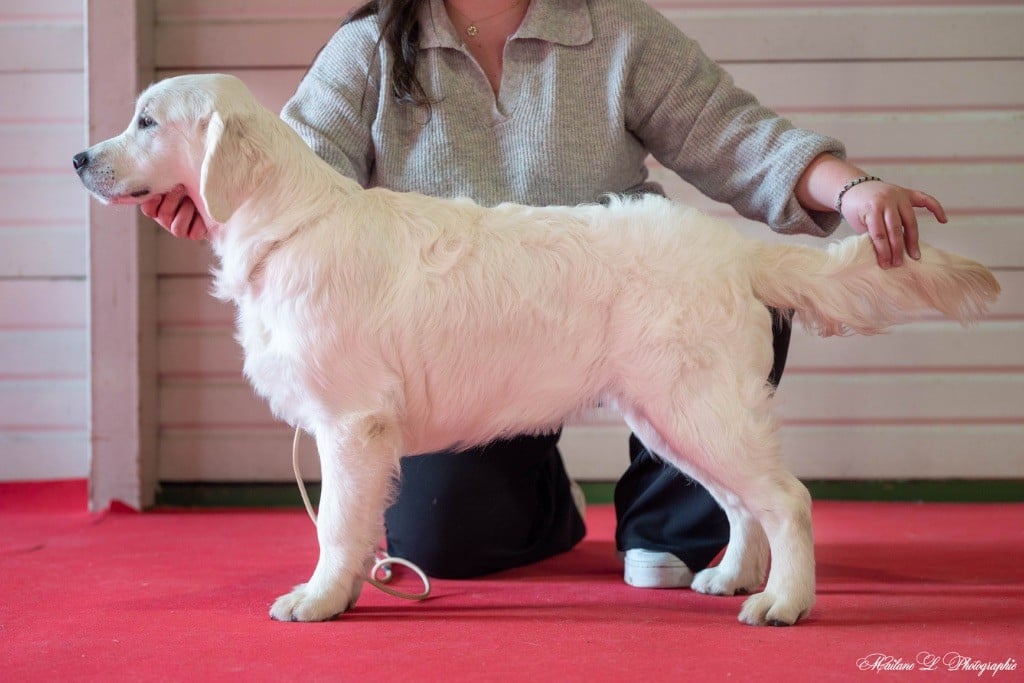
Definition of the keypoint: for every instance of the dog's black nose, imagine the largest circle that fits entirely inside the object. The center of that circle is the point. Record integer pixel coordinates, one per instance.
(80, 160)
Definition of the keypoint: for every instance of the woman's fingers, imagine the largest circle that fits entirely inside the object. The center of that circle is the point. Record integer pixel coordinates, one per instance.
(176, 213)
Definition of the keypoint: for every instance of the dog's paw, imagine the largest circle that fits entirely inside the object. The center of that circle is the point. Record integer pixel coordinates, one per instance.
(303, 604)
(720, 581)
(766, 609)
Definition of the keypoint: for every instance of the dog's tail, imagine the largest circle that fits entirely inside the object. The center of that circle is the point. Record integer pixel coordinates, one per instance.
(842, 290)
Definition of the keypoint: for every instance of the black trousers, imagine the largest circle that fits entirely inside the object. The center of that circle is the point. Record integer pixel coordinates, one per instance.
(507, 504)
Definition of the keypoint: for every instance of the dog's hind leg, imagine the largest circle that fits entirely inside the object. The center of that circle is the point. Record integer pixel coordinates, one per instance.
(358, 460)
(720, 431)
(745, 561)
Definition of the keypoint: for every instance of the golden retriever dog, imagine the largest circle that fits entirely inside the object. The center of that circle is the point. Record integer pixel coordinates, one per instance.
(387, 324)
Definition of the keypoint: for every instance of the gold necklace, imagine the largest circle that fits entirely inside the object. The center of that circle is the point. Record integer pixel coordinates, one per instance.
(472, 30)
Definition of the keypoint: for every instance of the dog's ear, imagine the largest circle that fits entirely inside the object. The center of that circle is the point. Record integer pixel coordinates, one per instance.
(234, 166)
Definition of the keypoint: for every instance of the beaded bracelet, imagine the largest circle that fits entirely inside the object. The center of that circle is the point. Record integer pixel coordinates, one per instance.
(851, 184)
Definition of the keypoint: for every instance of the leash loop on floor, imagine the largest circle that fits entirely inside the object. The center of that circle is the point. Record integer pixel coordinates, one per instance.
(382, 561)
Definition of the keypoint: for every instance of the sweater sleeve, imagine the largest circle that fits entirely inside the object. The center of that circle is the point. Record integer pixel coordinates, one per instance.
(336, 102)
(694, 120)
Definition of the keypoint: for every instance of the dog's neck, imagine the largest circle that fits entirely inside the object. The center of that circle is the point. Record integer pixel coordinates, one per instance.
(277, 209)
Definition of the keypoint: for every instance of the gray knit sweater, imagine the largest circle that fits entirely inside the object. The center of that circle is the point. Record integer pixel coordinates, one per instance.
(589, 89)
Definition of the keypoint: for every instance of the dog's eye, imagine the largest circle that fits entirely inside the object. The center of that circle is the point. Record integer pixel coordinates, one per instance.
(146, 121)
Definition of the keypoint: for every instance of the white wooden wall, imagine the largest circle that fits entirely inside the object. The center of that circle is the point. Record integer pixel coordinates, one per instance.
(43, 297)
(927, 93)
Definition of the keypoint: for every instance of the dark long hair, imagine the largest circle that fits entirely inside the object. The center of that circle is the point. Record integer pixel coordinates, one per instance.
(400, 32)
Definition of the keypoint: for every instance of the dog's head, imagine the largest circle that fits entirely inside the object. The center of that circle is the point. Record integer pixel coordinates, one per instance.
(189, 130)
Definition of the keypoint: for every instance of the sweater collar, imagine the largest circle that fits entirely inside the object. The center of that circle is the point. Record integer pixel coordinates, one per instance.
(563, 22)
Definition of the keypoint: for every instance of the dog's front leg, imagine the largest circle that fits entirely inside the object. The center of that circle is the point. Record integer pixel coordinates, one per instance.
(357, 461)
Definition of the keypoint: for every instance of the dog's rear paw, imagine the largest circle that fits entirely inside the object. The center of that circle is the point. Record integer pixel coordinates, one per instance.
(303, 604)
(718, 581)
(766, 609)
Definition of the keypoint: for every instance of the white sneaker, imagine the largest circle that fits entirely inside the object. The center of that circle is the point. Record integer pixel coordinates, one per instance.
(653, 569)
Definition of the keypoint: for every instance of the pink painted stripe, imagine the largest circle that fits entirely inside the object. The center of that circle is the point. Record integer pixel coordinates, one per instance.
(28, 428)
(915, 370)
(38, 171)
(42, 326)
(40, 122)
(943, 160)
(43, 377)
(907, 422)
(193, 376)
(40, 18)
(816, 4)
(37, 223)
(904, 109)
(283, 429)
(171, 325)
(225, 426)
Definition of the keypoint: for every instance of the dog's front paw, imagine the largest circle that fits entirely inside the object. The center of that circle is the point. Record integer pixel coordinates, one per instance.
(766, 609)
(305, 604)
(719, 581)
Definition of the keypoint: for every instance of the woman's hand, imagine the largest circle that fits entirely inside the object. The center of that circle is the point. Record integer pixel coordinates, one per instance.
(886, 212)
(883, 210)
(176, 213)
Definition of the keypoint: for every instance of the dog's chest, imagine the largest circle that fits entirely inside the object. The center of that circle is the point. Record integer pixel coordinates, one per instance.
(275, 361)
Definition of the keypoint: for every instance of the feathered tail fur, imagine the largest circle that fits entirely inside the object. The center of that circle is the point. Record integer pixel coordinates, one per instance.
(842, 290)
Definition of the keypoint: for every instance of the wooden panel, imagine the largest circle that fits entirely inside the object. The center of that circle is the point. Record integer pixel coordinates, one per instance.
(43, 354)
(600, 454)
(925, 92)
(880, 86)
(966, 136)
(923, 452)
(43, 311)
(202, 10)
(39, 148)
(803, 399)
(263, 454)
(853, 452)
(214, 46)
(997, 241)
(37, 46)
(185, 302)
(271, 87)
(225, 38)
(31, 200)
(200, 353)
(43, 98)
(42, 304)
(890, 88)
(36, 10)
(880, 399)
(211, 353)
(41, 456)
(920, 347)
(852, 33)
(51, 405)
(964, 189)
(43, 251)
(186, 404)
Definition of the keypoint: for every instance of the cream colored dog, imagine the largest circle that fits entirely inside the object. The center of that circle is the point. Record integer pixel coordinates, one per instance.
(387, 324)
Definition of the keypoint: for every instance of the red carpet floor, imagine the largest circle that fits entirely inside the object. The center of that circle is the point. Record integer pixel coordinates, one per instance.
(183, 596)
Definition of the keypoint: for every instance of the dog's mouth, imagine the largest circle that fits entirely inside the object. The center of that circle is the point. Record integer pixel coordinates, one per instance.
(133, 197)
